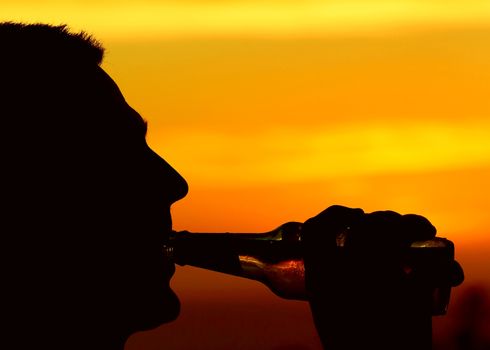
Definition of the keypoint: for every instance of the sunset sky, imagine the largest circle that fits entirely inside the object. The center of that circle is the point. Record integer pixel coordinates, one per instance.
(275, 109)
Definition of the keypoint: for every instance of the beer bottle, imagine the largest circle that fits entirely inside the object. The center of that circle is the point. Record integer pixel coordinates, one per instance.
(275, 258)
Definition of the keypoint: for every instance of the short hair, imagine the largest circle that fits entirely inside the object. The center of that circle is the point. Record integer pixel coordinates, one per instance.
(45, 76)
(49, 43)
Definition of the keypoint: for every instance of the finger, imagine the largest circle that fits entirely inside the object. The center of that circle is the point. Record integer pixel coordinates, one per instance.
(389, 228)
(417, 228)
(323, 228)
(319, 243)
(457, 274)
(377, 230)
(336, 214)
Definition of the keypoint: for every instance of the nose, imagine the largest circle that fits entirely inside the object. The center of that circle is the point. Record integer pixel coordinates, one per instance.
(180, 188)
(174, 185)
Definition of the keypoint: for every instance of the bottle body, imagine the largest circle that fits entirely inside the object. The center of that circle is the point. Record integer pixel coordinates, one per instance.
(275, 258)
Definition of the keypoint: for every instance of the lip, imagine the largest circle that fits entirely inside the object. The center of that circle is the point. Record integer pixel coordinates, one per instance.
(167, 262)
(172, 307)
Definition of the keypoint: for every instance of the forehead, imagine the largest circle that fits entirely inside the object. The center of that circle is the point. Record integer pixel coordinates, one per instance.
(110, 94)
(105, 82)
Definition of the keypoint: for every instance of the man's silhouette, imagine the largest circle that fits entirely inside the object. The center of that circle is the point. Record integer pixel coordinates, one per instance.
(86, 201)
(86, 210)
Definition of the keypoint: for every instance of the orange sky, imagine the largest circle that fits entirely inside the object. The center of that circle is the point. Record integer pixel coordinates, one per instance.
(306, 123)
(274, 110)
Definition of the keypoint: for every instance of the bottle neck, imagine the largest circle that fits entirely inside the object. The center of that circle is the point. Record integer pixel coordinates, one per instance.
(280, 244)
(273, 258)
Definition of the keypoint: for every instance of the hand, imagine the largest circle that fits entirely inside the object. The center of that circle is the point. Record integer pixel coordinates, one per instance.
(361, 296)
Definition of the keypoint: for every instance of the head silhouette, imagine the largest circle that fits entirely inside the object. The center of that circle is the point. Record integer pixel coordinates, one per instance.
(86, 201)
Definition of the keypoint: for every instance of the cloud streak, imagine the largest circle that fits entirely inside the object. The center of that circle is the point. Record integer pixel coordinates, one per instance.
(150, 19)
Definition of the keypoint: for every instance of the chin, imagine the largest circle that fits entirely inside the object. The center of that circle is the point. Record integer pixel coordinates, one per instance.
(157, 312)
